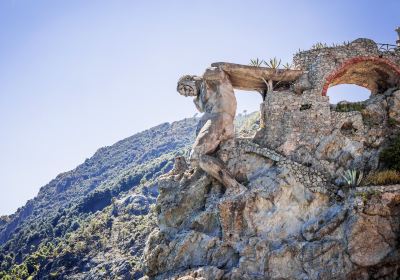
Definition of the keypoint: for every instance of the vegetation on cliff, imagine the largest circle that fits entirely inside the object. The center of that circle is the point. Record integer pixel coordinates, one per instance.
(83, 219)
(94, 220)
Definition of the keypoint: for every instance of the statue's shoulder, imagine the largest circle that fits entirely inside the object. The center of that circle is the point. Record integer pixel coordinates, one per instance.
(213, 73)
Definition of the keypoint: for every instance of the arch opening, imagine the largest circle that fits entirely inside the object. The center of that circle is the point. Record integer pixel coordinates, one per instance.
(347, 93)
(375, 74)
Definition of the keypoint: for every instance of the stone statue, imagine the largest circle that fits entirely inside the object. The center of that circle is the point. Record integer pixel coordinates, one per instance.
(215, 98)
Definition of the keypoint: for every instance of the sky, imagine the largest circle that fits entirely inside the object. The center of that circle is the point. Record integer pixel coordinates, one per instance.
(79, 75)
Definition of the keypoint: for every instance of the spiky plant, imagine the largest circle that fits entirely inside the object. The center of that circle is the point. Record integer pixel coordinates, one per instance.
(319, 45)
(287, 66)
(353, 178)
(273, 63)
(256, 62)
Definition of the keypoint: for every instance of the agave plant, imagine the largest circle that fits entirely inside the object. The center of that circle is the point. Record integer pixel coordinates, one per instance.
(273, 63)
(319, 45)
(256, 62)
(353, 178)
(287, 66)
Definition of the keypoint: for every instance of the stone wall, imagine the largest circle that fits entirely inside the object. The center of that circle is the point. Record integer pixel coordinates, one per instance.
(323, 64)
(291, 120)
(308, 130)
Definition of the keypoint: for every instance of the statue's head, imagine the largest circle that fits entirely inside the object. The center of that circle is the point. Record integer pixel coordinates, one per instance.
(189, 85)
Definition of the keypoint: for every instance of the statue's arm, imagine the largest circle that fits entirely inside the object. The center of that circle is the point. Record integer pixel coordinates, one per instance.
(197, 102)
(202, 98)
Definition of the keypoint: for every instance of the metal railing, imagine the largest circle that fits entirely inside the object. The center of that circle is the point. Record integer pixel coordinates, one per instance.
(386, 47)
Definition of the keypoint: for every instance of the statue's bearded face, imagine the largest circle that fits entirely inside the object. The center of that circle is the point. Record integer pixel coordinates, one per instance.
(189, 85)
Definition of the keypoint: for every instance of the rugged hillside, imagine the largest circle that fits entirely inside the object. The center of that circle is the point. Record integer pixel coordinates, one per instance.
(93, 221)
(79, 201)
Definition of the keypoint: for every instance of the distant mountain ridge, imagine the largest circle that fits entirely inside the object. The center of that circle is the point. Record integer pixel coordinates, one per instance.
(77, 194)
(94, 220)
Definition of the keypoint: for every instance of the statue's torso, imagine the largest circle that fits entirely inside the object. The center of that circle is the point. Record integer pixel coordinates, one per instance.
(217, 97)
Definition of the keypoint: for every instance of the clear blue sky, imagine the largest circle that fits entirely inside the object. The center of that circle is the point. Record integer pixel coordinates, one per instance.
(79, 75)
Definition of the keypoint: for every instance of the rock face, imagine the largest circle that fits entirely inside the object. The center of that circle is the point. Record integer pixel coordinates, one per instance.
(279, 228)
(394, 106)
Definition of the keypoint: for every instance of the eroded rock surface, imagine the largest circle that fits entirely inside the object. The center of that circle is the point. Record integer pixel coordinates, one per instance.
(279, 228)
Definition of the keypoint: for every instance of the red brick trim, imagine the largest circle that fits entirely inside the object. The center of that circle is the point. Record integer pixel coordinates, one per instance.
(346, 64)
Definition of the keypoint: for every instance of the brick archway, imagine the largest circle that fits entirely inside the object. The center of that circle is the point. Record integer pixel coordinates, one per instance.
(374, 73)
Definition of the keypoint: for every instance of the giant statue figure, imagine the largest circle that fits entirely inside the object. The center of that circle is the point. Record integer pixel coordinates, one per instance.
(213, 95)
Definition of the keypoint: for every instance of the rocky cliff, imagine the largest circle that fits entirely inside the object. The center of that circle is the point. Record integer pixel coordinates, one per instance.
(280, 228)
(294, 216)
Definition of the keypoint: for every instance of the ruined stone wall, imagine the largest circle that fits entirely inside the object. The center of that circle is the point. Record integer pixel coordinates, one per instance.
(292, 121)
(322, 64)
(305, 128)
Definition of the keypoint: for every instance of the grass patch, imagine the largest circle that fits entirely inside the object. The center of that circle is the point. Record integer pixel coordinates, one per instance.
(349, 107)
(385, 177)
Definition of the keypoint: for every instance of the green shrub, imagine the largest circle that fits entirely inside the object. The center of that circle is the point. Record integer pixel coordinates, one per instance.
(390, 156)
(349, 107)
(392, 122)
(385, 177)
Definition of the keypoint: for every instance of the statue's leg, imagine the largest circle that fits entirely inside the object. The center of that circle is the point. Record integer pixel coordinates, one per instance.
(216, 169)
(207, 140)
(215, 130)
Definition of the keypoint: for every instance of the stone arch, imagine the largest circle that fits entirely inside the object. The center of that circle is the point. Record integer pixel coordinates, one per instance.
(374, 73)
